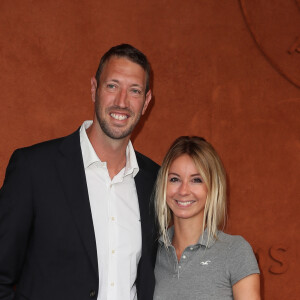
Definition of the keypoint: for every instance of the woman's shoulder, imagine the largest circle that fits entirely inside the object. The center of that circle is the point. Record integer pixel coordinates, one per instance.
(240, 258)
(233, 241)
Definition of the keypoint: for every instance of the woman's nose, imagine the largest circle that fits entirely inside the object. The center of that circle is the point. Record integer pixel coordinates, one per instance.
(184, 189)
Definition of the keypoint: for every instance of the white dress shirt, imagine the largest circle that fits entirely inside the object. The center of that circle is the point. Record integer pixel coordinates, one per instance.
(116, 219)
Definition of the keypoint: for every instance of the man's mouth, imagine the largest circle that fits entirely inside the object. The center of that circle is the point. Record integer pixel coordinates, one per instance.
(119, 117)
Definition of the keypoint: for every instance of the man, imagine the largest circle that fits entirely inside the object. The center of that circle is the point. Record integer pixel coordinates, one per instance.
(75, 214)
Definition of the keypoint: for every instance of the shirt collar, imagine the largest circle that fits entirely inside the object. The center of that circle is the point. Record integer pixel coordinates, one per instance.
(89, 155)
(203, 240)
(131, 162)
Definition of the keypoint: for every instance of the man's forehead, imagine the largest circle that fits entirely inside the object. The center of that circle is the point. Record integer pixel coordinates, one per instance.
(121, 60)
(123, 66)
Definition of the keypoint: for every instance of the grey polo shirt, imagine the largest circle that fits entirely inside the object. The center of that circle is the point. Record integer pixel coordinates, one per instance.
(205, 271)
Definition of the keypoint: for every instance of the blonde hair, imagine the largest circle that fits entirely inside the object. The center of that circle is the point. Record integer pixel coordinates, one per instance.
(212, 172)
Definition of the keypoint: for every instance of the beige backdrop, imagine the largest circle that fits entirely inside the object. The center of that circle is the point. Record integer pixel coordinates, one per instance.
(225, 70)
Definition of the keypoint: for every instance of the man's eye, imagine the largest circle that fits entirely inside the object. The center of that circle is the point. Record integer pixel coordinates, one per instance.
(197, 180)
(111, 86)
(136, 91)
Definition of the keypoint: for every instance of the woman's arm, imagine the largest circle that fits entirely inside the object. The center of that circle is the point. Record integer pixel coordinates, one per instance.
(247, 288)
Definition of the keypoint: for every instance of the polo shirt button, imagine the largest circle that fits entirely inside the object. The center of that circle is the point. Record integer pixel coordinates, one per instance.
(92, 294)
(179, 267)
(191, 248)
(184, 257)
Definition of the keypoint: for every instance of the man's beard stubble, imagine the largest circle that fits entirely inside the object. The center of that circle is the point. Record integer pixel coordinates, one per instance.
(107, 129)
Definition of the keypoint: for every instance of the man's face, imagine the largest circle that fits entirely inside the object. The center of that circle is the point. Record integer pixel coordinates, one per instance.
(120, 98)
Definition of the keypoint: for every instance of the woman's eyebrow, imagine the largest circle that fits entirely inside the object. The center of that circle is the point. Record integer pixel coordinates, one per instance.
(173, 173)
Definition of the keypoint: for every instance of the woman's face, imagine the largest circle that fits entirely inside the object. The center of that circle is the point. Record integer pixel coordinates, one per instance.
(186, 192)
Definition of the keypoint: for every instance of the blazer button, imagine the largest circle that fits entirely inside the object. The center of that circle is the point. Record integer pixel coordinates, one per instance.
(92, 293)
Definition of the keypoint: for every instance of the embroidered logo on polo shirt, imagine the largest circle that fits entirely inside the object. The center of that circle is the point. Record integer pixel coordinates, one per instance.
(204, 263)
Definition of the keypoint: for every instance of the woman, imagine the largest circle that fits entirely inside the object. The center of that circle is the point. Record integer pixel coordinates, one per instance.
(195, 259)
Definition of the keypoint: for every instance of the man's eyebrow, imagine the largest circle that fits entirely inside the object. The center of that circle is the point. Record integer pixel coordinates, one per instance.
(114, 80)
(137, 85)
(117, 81)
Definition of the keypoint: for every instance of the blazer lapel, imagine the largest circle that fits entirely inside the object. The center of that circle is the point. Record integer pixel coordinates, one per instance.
(72, 175)
(144, 181)
(144, 190)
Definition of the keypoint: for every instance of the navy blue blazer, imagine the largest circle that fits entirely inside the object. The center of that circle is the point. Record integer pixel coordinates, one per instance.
(47, 241)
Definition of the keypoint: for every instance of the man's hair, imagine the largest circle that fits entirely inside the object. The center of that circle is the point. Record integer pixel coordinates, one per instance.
(129, 52)
(212, 172)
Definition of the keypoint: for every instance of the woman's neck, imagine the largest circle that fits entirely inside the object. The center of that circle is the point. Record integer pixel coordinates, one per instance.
(186, 233)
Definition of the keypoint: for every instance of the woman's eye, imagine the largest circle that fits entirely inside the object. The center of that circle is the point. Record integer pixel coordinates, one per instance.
(173, 179)
(197, 180)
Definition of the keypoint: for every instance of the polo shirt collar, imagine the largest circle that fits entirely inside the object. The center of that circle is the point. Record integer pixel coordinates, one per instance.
(203, 240)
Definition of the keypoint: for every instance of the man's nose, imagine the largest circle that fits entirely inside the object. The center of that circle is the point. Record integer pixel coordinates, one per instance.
(121, 98)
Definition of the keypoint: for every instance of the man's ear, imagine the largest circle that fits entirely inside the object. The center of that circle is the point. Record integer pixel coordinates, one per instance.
(93, 88)
(147, 101)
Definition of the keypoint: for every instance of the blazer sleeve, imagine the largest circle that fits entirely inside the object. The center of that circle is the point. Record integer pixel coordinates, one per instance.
(16, 214)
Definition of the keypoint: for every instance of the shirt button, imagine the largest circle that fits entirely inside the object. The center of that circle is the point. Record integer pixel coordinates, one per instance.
(112, 218)
(184, 257)
(113, 251)
(179, 267)
(92, 294)
(112, 284)
(191, 248)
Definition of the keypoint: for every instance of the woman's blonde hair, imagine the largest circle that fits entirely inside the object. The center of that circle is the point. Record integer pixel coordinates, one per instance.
(212, 172)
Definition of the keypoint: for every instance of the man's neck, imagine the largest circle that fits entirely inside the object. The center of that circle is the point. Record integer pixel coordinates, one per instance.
(111, 151)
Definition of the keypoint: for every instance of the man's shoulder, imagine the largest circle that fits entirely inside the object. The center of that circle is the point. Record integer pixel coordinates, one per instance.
(145, 162)
(49, 146)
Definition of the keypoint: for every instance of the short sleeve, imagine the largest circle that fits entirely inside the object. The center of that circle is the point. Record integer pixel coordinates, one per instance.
(241, 261)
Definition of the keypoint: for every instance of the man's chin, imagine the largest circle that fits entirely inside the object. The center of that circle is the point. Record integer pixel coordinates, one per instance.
(117, 134)
(116, 131)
